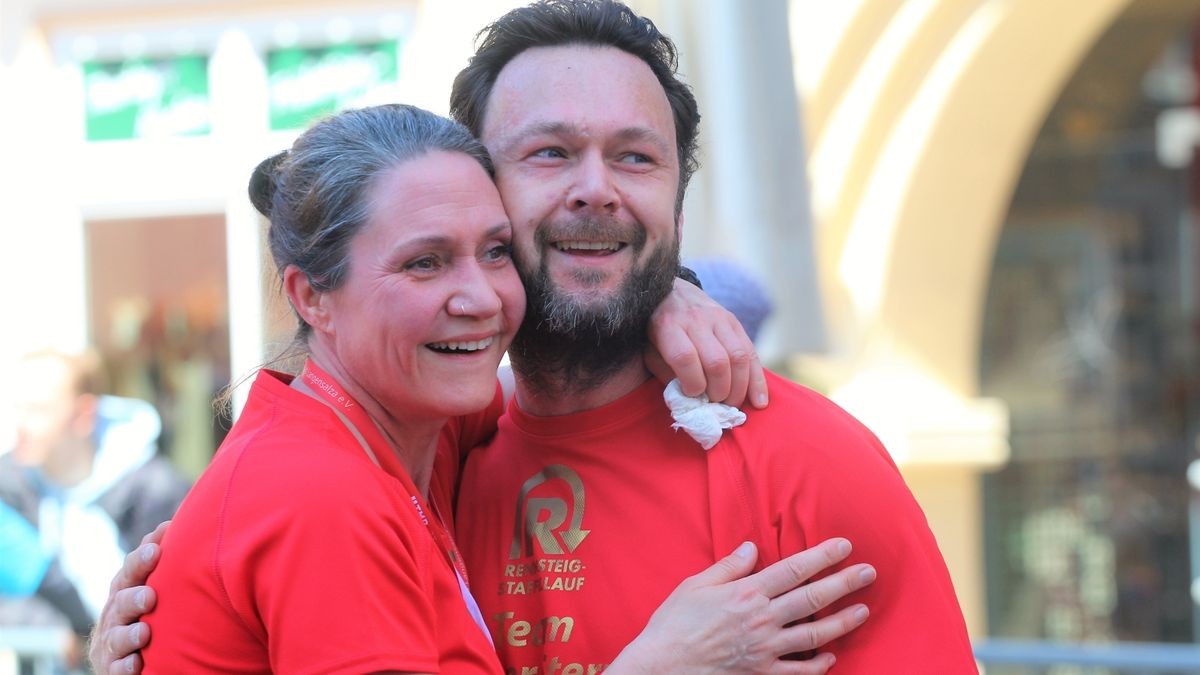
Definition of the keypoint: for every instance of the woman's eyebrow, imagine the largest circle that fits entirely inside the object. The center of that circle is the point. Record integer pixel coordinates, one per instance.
(442, 240)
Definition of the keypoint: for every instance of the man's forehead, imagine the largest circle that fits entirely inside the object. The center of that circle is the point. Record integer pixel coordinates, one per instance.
(571, 88)
(539, 127)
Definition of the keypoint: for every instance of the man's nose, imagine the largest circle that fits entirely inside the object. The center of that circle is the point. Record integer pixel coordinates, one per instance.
(593, 188)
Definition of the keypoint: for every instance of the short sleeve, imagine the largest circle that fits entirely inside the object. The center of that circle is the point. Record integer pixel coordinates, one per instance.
(850, 487)
(332, 570)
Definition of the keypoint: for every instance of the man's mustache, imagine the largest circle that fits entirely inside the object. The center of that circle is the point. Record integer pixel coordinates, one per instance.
(590, 229)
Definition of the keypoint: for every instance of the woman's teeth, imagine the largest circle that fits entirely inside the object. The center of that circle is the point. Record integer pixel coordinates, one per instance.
(470, 346)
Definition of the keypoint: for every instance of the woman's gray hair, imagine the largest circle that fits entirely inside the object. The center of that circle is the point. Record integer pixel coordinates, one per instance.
(316, 194)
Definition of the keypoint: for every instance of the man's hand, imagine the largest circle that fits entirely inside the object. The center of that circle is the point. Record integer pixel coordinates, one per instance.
(723, 621)
(703, 344)
(119, 635)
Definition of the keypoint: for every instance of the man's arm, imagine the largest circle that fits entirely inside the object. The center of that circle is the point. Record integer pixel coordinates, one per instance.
(119, 635)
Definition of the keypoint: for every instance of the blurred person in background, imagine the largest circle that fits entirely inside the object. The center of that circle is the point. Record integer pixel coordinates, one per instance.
(735, 288)
(29, 571)
(86, 477)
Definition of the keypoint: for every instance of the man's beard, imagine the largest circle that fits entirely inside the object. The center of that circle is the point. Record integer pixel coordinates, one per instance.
(573, 342)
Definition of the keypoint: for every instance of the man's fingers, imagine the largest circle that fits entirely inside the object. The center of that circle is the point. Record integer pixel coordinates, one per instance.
(813, 634)
(795, 569)
(812, 597)
(138, 565)
(126, 666)
(129, 604)
(156, 536)
(124, 641)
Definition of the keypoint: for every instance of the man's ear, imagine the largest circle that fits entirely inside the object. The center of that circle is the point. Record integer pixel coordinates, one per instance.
(309, 302)
(679, 228)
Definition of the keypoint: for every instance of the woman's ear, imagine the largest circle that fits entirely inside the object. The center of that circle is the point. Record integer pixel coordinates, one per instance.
(309, 302)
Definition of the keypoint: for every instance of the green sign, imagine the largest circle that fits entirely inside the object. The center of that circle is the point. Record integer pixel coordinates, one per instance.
(306, 83)
(146, 98)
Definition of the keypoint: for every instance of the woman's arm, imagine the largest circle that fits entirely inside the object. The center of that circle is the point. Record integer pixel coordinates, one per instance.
(703, 344)
(718, 620)
(723, 621)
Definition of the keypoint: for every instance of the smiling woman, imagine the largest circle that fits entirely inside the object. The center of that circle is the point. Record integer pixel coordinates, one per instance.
(393, 249)
(430, 302)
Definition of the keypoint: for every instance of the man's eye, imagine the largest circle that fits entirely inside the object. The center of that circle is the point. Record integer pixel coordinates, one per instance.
(635, 158)
(550, 153)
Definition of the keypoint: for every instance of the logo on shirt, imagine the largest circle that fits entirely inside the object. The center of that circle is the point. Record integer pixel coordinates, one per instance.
(542, 519)
(548, 529)
(547, 532)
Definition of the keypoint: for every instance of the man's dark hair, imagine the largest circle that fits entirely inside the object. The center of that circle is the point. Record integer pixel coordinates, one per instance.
(602, 23)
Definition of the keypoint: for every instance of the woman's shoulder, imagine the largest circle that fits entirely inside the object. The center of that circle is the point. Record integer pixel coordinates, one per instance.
(295, 463)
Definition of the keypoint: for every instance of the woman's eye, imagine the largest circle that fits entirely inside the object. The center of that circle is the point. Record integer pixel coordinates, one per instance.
(426, 264)
(500, 252)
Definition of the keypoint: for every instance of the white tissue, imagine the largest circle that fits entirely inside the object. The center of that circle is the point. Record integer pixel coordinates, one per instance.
(702, 420)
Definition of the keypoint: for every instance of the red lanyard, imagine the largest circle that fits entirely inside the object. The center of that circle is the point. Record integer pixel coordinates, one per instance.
(380, 451)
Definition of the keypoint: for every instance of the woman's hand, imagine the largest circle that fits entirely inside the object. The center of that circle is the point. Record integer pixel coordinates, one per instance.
(703, 344)
(118, 634)
(721, 621)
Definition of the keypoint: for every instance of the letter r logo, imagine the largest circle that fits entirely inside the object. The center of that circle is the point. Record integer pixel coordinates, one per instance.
(538, 518)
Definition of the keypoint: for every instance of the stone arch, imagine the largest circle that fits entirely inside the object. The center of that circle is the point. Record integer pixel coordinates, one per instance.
(933, 173)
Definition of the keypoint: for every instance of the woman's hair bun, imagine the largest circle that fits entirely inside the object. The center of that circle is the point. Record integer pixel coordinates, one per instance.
(262, 183)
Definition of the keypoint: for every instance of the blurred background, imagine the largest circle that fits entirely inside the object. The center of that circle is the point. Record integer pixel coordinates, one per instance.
(976, 221)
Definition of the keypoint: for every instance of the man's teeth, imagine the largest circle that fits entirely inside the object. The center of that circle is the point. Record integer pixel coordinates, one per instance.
(471, 346)
(587, 245)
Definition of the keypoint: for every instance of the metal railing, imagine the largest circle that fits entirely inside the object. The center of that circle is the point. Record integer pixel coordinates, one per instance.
(1136, 657)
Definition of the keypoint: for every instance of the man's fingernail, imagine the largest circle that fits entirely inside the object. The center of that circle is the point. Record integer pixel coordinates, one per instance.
(744, 550)
(135, 633)
(861, 614)
(867, 575)
(147, 553)
(139, 599)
